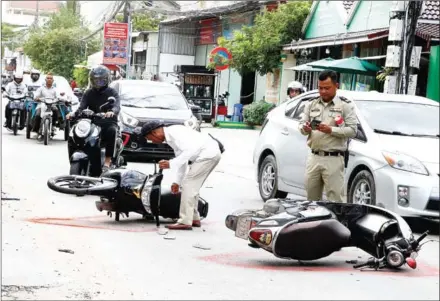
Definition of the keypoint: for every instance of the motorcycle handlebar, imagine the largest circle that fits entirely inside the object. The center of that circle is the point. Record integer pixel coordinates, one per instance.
(372, 262)
(422, 237)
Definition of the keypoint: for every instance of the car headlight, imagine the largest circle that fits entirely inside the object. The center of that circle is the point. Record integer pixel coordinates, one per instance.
(145, 196)
(82, 128)
(405, 162)
(128, 120)
(192, 122)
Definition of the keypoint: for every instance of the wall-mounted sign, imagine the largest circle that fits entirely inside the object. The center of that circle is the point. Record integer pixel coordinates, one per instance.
(115, 43)
(220, 56)
(233, 23)
(209, 31)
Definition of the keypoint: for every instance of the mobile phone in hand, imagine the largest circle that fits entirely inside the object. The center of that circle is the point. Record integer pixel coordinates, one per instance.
(314, 124)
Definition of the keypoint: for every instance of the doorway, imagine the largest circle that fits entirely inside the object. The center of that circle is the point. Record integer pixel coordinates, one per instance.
(247, 88)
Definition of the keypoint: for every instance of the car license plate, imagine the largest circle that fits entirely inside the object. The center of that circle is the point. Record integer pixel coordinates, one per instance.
(243, 227)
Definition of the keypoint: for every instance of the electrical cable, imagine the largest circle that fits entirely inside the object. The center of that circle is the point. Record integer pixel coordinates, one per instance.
(108, 20)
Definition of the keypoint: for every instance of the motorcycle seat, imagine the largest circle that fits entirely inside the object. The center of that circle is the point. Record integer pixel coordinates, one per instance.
(312, 240)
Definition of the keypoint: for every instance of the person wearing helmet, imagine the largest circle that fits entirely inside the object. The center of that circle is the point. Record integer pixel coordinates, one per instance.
(35, 77)
(93, 99)
(15, 88)
(294, 89)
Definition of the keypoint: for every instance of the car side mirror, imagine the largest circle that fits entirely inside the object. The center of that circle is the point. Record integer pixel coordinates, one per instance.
(196, 109)
(360, 135)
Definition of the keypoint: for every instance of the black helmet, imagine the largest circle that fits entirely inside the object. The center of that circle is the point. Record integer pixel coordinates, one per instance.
(99, 77)
(150, 126)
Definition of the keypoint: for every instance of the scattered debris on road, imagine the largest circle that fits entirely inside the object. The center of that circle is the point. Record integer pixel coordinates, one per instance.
(169, 237)
(198, 246)
(162, 231)
(66, 251)
(5, 197)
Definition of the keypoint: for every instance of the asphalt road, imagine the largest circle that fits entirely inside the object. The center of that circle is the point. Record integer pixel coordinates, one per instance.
(129, 260)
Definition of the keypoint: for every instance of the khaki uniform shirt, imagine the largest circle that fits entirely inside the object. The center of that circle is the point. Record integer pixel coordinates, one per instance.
(326, 113)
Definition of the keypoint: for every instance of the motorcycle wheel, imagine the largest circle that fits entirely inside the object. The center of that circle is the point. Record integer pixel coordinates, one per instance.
(66, 130)
(14, 125)
(28, 125)
(81, 185)
(46, 131)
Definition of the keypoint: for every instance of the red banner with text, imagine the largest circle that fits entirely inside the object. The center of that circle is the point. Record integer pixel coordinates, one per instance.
(115, 44)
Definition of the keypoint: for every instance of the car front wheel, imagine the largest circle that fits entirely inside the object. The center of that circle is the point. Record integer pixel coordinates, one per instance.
(363, 189)
(268, 179)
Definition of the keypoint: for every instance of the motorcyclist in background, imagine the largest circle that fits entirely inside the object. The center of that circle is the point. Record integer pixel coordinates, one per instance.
(294, 89)
(14, 88)
(93, 98)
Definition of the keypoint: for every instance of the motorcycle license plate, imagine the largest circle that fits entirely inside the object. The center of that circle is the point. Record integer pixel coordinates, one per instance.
(15, 105)
(243, 227)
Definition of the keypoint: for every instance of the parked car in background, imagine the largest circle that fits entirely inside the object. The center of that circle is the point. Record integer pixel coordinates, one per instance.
(394, 159)
(143, 100)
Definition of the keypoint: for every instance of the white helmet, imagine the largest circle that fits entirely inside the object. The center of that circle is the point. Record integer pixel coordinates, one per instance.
(18, 74)
(295, 85)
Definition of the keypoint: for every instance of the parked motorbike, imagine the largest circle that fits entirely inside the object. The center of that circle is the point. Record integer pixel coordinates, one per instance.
(17, 106)
(84, 143)
(304, 230)
(123, 191)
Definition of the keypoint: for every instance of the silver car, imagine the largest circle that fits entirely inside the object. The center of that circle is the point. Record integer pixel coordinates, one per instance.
(394, 159)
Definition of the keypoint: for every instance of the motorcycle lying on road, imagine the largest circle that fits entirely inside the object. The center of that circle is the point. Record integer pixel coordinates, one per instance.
(305, 230)
(17, 105)
(123, 191)
(84, 143)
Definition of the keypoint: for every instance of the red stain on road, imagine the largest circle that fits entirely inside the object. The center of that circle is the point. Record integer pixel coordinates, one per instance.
(101, 222)
(334, 263)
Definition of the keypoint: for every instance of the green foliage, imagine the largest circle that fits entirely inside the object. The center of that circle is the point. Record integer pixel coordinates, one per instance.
(56, 47)
(255, 113)
(148, 21)
(257, 48)
(384, 73)
(81, 75)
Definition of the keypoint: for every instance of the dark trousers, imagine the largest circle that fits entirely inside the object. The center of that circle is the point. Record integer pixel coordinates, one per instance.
(8, 116)
(108, 136)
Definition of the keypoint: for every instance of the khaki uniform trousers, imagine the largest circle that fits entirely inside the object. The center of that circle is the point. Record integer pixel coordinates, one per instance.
(192, 183)
(328, 172)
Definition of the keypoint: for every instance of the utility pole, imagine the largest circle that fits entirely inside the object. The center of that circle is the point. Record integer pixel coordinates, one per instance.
(37, 14)
(127, 19)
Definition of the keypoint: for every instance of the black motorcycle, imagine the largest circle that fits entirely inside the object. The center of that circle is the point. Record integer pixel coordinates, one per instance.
(84, 143)
(123, 191)
(17, 106)
(304, 230)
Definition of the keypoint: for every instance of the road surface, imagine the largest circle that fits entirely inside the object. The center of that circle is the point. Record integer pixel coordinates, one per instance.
(129, 260)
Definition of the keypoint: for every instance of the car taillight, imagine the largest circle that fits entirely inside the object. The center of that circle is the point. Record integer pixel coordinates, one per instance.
(261, 235)
(126, 138)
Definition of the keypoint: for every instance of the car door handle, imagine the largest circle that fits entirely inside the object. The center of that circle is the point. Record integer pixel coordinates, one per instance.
(285, 131)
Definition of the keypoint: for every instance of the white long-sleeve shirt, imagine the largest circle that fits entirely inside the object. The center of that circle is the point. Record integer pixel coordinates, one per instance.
(188, 145)
(45, 92)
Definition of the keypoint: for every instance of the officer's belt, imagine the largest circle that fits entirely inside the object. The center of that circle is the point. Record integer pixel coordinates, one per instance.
(325, 154)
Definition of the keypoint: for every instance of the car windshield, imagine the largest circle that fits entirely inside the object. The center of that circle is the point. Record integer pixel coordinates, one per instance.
(399, 118)
(140, 95)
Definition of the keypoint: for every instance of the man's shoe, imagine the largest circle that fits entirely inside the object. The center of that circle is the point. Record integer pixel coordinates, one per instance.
(178, 226)
(197, 224)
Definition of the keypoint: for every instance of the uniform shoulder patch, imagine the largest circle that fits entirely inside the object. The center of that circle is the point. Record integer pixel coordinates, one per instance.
(344, 99)
(312, 99)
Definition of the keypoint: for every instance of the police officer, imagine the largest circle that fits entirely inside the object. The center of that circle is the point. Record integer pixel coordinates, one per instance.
(328, 140)
(15, 88)
(93, 99)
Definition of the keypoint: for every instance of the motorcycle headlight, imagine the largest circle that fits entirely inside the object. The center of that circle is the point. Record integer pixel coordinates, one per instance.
(145, 196)
(192, 122)
(405, 162)
(128, 120)
(82, 128)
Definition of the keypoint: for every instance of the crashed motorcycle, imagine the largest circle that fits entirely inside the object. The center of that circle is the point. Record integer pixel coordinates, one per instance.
(123, 191)
(84, 143)
(305, 230)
